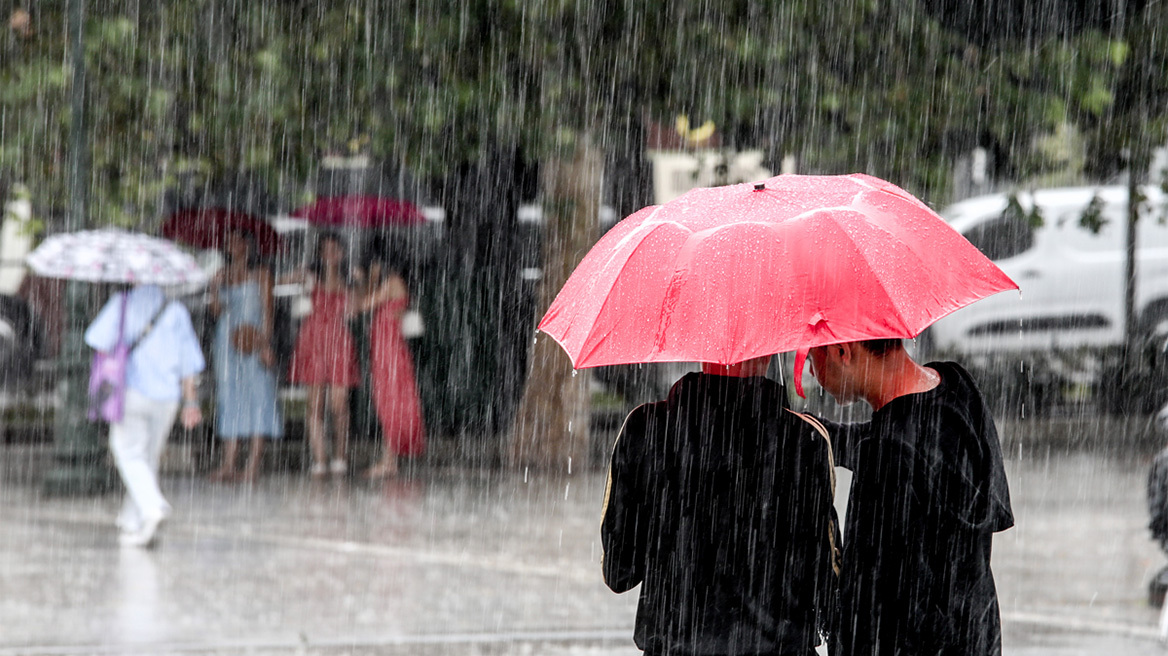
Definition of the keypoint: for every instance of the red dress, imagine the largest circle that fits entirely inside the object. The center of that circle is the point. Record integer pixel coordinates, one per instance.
(324, 352)
(395, 392)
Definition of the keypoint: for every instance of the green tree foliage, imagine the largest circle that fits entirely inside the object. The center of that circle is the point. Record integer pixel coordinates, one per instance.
(271, 86)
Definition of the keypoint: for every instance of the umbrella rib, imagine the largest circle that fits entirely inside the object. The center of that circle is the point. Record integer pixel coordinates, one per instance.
(877, 271)
(590, 339)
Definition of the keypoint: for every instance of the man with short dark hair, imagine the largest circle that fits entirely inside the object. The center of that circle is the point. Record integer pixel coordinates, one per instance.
(719, 505)
(928, 493)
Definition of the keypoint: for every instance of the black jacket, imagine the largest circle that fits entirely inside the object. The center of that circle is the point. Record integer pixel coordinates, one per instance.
(928, 493)
(719, 504)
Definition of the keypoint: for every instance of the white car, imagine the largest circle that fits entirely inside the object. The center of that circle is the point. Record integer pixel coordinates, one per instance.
(1071, 278)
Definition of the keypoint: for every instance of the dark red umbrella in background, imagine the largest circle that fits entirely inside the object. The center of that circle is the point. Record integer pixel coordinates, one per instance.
(209, 227)
(731, 273)
(361, 212)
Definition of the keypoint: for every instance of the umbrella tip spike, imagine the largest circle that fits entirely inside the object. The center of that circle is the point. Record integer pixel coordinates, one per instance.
(760, 186)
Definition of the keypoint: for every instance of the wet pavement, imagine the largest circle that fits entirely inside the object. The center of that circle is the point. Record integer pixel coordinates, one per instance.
(454, 561)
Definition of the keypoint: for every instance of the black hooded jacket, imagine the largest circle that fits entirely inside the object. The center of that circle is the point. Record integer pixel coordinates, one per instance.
(928, 493)
(720, 505)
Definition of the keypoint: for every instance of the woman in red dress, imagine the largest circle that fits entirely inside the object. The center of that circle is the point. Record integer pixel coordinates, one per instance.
(395, 393)
(324, 358)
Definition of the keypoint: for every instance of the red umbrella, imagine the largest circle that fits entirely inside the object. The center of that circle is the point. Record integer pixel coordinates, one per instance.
(209, 227)
(731, 273)
(361, 212)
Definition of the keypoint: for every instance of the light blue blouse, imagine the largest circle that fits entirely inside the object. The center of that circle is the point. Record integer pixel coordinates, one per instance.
(166, 356)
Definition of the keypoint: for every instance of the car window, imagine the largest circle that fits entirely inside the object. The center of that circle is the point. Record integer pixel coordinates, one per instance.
(1077, 237)
(1153, 229)
(1004, 237)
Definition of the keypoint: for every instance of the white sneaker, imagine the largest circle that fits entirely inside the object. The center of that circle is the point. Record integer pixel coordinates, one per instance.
(338, 466)
(144, 537)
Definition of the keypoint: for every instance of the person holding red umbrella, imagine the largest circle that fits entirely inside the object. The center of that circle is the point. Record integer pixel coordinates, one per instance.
(324, 358)
(719, 505)
(928, 493)
(245, 382)
(395, 392)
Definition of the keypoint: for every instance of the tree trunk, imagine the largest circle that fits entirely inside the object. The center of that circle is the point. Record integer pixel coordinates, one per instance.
(1131, 321)
(551, 429)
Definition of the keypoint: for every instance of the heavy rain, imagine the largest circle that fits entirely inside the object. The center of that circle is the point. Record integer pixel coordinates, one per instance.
(320, 322)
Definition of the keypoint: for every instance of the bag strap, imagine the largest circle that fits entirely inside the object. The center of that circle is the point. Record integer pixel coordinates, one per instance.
(149, 326)
(822, 430)
(831, 529)
(122, 320)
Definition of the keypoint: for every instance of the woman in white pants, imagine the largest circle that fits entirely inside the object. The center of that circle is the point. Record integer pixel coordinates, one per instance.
(160, 378)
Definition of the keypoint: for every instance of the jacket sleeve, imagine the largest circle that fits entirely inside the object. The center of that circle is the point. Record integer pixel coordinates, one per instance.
(624, 526)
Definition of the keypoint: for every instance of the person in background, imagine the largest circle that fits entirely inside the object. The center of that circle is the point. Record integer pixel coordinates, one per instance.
(395, 392)
(161, 377)
(928, 493)
(245, 382)
(719, 505)
(324, 358)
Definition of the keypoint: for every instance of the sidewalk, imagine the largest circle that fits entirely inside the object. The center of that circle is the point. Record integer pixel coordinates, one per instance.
(458, 561)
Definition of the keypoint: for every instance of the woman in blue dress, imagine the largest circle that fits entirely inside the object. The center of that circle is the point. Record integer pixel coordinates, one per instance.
(245, 381)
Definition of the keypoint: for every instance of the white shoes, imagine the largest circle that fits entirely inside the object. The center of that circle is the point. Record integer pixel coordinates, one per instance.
(145, 536)
(338, 466)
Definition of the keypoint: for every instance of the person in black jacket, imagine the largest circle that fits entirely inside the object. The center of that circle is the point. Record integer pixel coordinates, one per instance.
(928, 493)
(719, 504)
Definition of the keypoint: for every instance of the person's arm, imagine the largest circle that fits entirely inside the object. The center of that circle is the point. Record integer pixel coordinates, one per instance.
(818, 527)
(213, 303)
(264, 281)
(192, 414)
(392, 289)
(102, 333)
(624, 526)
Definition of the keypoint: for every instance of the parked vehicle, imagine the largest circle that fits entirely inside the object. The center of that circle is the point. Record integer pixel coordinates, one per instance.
(1066, 327)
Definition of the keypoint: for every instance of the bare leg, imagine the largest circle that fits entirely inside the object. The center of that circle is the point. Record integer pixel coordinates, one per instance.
(255, 460)
(226, 470)
(339, 404)
(316, 424)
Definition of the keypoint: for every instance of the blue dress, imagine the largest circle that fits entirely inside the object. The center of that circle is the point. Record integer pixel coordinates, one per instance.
(245, 394)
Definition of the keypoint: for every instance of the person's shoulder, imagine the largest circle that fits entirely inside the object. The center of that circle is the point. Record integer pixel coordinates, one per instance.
(955, 378)
(175, 312)
(639, 418)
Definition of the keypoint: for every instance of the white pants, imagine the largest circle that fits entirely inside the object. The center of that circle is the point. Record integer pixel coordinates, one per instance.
(137, 443)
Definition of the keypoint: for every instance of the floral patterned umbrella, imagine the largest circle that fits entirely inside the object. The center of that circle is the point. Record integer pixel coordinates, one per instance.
(114, 256)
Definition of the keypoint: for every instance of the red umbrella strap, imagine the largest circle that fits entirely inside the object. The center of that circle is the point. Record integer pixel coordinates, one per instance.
(800, 362)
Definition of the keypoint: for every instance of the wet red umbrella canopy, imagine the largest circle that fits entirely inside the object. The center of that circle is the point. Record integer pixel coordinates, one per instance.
(361, 212)
(209, 227)
(726, 274)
